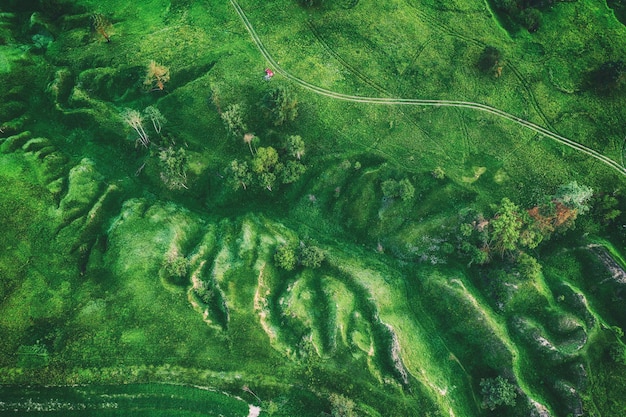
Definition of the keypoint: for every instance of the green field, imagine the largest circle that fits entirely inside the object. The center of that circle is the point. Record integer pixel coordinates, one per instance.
(421, 213)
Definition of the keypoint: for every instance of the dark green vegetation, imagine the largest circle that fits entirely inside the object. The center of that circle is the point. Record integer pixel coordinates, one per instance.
(169, 216)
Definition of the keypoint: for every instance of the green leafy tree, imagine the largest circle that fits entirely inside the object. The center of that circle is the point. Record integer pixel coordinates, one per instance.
(489, 60)
(528, 267)
(285, 257)
(291, 172)
(403, 189)
(466, 229)
(341, 406)
(477, 255)
(172, 163)
(265, 160)
(267, 180)
(439, 173)
(406, 189)
(574, 196)
(609, 77)
(233, 119)
(311, 256)
(265, 164)
(282, 104)
(506, 227)
(176, 268)
(531, 236)
(530, 18)
(496, 392)
(390, 188)
(239, 174)
(295, 146)
(606, 208)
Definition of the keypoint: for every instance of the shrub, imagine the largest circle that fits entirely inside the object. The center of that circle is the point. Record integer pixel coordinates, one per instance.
(439, 173)
(487, 63)
(156, 76)
(609, 77)
(282, 105)
(496, 392)
(176, 268)
(403, 189)
(311, 256)
(341, 406)
(285, 257)
(173, 168)
(233, 119)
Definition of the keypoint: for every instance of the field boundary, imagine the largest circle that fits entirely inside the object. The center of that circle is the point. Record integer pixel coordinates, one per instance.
(421, 102)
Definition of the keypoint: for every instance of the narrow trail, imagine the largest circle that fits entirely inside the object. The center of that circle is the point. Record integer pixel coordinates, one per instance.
(421, 102)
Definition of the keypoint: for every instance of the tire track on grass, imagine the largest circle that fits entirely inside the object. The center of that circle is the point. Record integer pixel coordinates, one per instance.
(421, 102)
(531, 96)
(371, 83)
(364, 78)
(514, 68)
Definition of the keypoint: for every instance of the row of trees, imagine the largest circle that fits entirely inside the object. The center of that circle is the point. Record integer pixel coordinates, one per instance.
(511, 230)
(279, 105)
(267, 166)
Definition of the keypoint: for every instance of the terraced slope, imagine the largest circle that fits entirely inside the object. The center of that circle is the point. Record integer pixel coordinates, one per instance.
(112, 283)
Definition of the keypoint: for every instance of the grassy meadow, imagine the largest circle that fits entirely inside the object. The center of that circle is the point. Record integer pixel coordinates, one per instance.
(168, 250)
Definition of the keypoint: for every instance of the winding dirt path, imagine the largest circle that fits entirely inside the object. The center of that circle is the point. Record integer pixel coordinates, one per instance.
(421, 102)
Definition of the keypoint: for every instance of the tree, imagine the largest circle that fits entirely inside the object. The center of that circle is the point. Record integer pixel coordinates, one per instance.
(609, 77)
(406, 189)
(311, 256)
(403, 189)
(265, 160)
(439, 173)
(295, 146)
(291, 172)
(506, 227)
(389, 188)
(530, 18)
(267, 180)
(135, 120)
(156, 76)
(250, 138)
(239, 174)
(528, 267)
(176, 268)
(266, 165)
(496, 392)
(155, 116)
(285, 257)
(488, 60)
(233, 119)
(606, 208)
(172, 163)
(574, 196)
(341, 406)
(282, 104)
